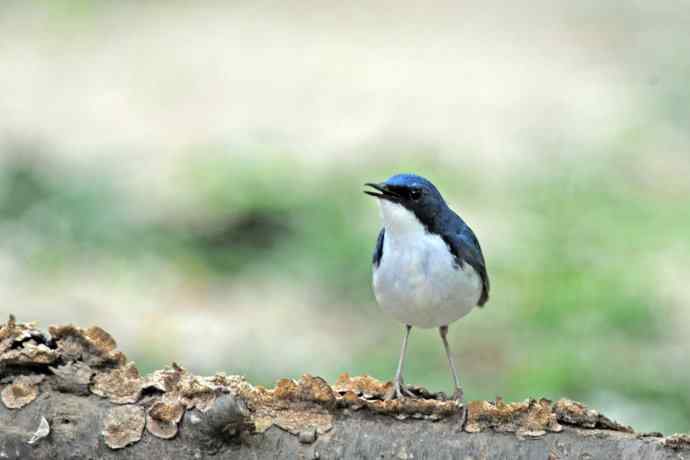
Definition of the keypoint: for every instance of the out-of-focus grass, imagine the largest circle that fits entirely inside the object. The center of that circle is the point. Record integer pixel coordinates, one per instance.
(575, 309)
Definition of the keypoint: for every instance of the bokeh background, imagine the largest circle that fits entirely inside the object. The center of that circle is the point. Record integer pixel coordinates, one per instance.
(189, 176)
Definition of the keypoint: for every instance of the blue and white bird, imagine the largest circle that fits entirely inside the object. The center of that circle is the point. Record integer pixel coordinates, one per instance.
(428, 267)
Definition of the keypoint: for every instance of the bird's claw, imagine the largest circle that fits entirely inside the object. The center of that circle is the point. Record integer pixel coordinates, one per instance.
(458, 395)
(402, 391)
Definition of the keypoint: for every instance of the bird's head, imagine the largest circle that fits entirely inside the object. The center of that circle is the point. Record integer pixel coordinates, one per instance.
(407, 192)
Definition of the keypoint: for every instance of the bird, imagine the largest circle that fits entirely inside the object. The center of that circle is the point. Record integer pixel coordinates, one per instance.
(428, 267)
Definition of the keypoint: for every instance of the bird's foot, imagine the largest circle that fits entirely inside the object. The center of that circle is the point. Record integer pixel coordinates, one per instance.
(458, 396)
(400, 391)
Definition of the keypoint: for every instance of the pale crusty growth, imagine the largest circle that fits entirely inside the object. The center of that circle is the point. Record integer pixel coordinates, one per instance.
(293, 406)
(376, 396)
(365, 386)
(164, 380)
(93, 346)
(23, 344)
(30, 352)
(527, 418)
(678, 441)
(73, 377)
(124, 425)
(313, 389)
(162, 418)
(575, 413)
(190, 390)
(121, 385)
(22, 391)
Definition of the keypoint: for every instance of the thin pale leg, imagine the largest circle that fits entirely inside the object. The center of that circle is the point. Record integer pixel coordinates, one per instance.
(400, 390)
(458, 393)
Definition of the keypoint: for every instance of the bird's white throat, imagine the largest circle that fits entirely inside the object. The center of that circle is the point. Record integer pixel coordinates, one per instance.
(398, 220)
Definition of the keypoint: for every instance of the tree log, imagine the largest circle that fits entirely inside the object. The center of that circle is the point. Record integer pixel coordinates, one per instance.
(69, 394)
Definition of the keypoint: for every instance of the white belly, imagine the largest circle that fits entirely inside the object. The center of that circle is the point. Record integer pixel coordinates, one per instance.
(418, 283)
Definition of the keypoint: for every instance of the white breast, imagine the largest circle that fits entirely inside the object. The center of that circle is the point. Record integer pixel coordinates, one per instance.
(417, 281)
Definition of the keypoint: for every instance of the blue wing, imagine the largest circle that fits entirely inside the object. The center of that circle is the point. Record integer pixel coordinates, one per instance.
(466, 249)
(378, 251)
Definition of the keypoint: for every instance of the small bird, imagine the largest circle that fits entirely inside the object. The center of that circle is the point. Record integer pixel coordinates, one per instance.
(428, 267)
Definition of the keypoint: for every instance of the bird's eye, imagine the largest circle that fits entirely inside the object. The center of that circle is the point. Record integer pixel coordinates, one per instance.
(415, 193)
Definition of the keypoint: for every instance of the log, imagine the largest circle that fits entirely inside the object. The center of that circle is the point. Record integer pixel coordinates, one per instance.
(69, 394)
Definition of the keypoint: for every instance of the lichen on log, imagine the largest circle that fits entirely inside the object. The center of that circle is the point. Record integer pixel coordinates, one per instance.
(69, 393)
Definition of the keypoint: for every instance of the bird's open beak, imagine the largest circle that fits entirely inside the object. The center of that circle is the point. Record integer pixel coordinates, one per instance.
(383, 190)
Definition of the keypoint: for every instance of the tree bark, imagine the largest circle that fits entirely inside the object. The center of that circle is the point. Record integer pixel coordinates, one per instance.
(68, 394)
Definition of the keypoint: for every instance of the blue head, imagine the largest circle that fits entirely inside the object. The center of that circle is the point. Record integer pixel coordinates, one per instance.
(413, 192)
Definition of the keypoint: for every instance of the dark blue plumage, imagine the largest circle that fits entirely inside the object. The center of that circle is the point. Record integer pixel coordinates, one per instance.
(378, 251)
(437, 217)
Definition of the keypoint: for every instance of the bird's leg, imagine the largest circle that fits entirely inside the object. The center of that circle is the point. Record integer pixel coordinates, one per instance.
(400, 390)
(458, 393)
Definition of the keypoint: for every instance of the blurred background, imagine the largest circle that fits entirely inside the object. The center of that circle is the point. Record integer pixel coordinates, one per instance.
(189, 178)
